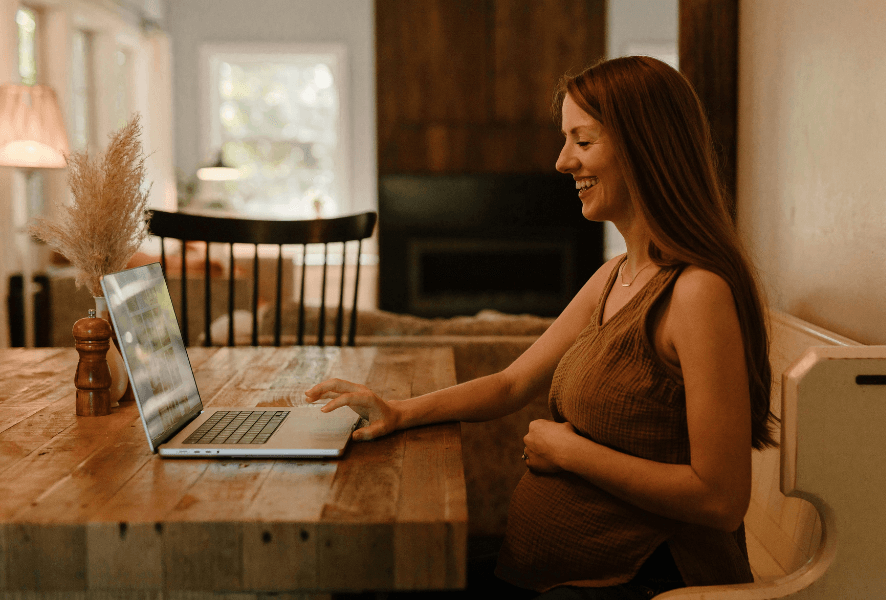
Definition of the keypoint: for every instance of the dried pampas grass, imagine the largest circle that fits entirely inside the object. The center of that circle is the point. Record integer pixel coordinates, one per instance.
(107, 221)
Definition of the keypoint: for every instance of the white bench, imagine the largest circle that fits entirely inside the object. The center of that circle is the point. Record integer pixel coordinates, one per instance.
(833, 447)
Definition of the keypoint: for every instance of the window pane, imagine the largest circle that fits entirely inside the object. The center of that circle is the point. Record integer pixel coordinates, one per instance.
(27, 45)
(122, 101)
(80, 96)
(279, 126)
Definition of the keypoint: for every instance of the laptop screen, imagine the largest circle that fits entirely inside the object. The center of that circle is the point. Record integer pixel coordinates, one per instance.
(151, 343)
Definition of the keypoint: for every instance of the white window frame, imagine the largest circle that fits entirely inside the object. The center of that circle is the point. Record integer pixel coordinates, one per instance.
(124, 79)
(210, 139)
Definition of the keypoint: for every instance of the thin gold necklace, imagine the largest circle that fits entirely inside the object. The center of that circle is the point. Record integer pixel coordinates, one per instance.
(621, 273)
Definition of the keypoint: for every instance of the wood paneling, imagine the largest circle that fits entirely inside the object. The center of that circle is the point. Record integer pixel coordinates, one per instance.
(535, 43)
(465, 86)
(708, 48)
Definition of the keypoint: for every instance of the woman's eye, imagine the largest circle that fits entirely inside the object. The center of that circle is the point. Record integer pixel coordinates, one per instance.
(583, 144)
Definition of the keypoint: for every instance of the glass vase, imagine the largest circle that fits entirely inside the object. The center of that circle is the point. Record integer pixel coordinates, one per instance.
(119, 378)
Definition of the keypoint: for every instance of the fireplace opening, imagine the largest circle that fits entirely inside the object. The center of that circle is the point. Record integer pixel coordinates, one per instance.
(456, 276)
(457, 244)
(459, 273)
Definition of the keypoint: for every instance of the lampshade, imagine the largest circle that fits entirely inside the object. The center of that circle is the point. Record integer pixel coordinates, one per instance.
(32, 133)
(218, 171)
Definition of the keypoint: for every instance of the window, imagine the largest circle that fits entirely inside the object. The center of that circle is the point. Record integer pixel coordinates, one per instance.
(278, 118)
(81, 78)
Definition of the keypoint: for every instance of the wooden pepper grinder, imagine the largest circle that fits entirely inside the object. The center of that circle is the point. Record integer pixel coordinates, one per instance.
(92, 338)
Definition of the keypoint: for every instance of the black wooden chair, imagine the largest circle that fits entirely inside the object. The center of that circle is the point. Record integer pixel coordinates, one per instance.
(187, 227)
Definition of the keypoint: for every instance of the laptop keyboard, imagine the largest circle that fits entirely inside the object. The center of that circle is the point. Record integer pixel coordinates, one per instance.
(238, 427)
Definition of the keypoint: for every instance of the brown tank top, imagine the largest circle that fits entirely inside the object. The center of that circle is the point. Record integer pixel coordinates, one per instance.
(614, 389)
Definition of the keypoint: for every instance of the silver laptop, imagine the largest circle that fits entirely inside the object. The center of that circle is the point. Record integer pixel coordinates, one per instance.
(166, 393)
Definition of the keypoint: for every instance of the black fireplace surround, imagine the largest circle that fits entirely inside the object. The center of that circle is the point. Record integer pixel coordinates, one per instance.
(456, 244)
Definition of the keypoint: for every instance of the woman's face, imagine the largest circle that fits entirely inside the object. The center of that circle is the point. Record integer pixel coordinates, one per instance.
(589, 157)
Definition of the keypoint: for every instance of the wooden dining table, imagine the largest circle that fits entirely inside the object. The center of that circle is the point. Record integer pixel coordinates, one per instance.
(85, 506)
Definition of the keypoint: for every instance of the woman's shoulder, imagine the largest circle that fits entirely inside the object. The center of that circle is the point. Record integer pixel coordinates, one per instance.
(697, 283)
(699, 292)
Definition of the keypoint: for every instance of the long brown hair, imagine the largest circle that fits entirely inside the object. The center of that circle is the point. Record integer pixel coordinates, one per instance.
(663, 142)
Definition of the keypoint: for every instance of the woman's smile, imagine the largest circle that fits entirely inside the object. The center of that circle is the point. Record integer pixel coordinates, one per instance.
(585, 185)
(589, 156)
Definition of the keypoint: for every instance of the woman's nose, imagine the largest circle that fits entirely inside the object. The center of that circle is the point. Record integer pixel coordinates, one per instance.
(565, 162)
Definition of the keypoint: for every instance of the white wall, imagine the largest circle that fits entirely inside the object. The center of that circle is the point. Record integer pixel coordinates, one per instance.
(638, 27)
(194, 23)
(632, 22)
(812, 158)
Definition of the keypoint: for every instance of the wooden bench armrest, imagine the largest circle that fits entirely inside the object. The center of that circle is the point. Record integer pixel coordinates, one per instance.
(792, 584)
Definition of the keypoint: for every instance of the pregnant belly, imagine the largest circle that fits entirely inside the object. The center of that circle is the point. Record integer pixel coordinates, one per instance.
(561, 529)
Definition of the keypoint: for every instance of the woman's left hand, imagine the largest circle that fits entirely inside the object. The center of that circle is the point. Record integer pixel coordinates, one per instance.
(545, 444)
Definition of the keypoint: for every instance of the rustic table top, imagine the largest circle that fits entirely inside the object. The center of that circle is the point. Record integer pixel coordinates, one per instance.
(85, 505)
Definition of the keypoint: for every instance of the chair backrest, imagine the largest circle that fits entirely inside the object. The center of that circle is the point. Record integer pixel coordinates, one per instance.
(187, 227)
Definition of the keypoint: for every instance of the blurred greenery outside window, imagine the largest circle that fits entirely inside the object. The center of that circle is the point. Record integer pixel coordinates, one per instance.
(26, 19)
(277, 118)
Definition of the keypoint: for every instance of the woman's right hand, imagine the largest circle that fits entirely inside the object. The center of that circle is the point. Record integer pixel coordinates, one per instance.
(382, 416)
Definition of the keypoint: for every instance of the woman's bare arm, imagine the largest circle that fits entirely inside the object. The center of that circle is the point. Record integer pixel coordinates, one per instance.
(481, 399)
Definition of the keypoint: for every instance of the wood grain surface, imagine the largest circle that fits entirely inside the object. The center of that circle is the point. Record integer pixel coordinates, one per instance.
(85, 507)
(708, 49)
(465, 86)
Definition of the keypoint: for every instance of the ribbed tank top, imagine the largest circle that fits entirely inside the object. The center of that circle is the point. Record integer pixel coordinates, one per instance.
(613, 388)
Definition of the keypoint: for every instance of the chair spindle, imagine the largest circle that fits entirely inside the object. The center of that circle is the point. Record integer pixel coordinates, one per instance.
(255, 297)
(207, 304)
(340, 313)
(321, 322)
(163, 254)
(300, 340)
(184, 283)
(352, 332)
(279, 297)
(231, 295)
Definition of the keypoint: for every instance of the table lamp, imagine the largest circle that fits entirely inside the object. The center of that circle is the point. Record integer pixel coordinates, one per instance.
(32, 136)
